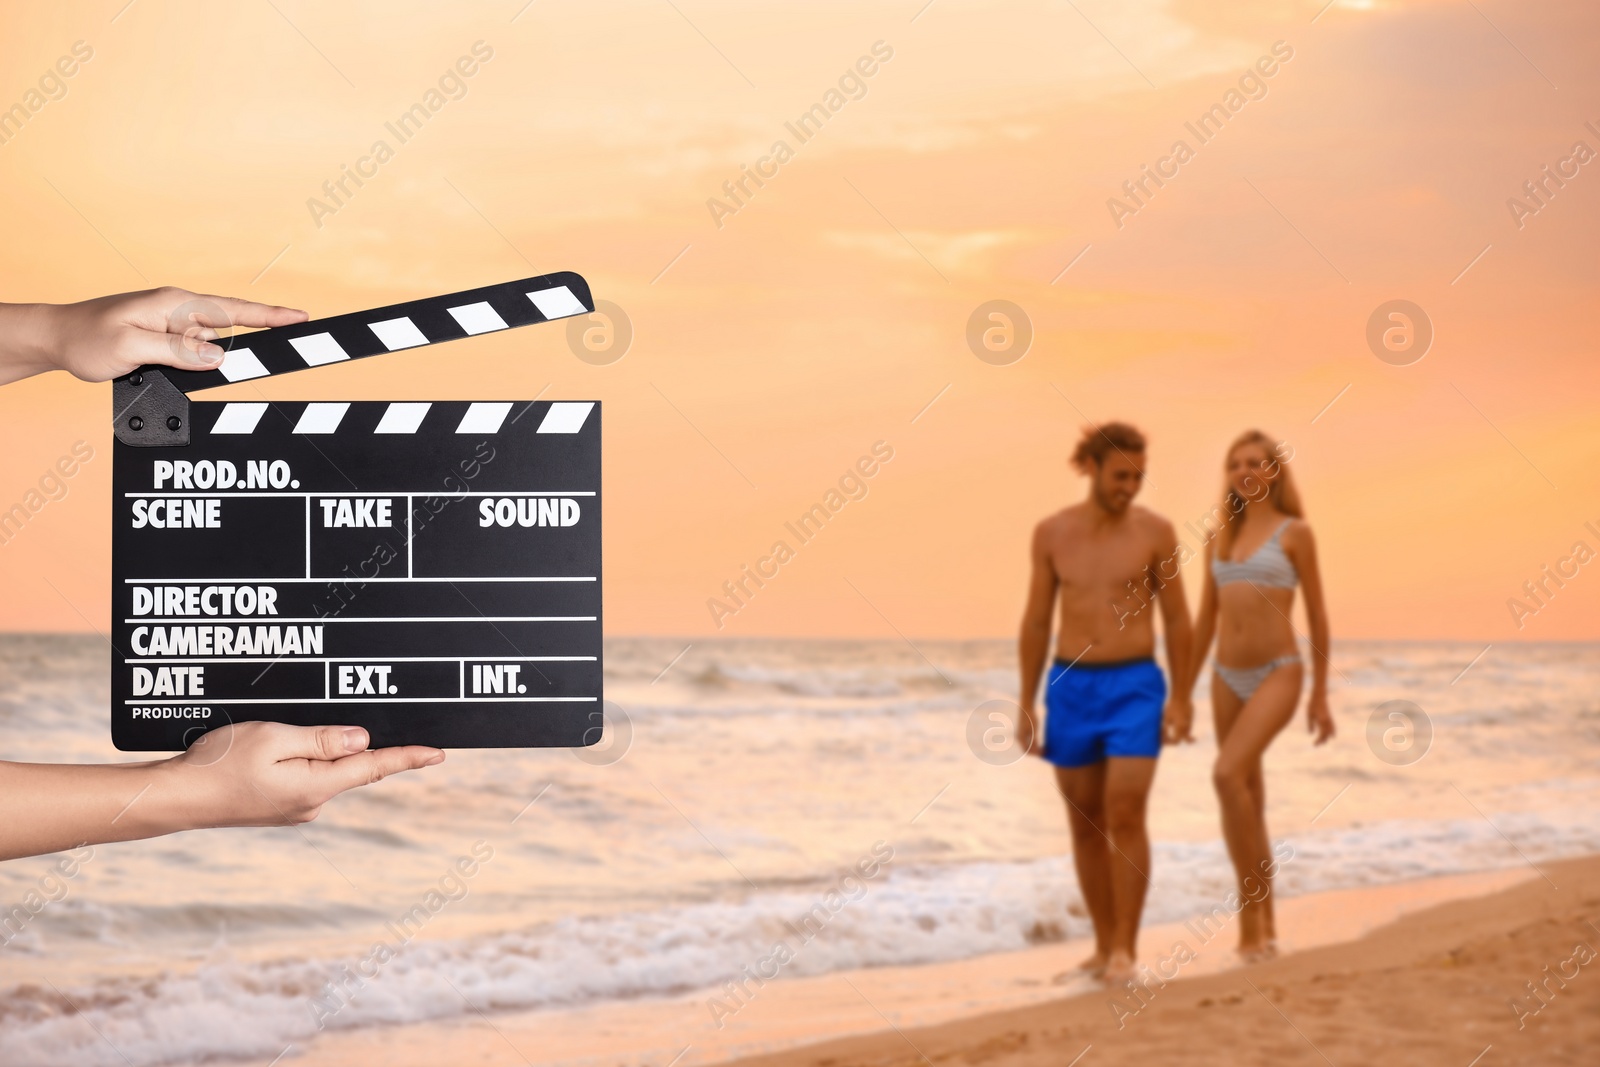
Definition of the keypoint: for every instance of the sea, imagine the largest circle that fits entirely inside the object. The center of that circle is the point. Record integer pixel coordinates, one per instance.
(857, 803)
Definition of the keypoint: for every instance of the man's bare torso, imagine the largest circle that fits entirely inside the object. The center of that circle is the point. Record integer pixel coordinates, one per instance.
(1105, 574)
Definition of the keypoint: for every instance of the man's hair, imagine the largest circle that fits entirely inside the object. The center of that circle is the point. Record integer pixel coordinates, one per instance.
(1100, 441)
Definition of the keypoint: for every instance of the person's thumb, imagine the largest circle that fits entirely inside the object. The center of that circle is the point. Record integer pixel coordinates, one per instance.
(321, 742)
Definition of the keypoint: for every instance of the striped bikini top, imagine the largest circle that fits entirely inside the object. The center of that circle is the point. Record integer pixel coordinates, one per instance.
(1267, 565)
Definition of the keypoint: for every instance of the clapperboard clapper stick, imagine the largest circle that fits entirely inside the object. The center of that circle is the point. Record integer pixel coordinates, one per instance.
(427, 570)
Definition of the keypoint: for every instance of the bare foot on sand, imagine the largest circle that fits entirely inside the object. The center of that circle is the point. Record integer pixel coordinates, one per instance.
(1258, 953)
(1092, 967)
(1119, 969)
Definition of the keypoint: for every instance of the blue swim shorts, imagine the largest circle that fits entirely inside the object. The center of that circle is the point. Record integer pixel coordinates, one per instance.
(1097, 710)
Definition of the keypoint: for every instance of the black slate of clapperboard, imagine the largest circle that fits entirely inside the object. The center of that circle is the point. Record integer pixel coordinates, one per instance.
(436, 629)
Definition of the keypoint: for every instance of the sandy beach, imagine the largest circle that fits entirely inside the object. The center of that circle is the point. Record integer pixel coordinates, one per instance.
(606, 929)
(1436, 987)
(1388, 950)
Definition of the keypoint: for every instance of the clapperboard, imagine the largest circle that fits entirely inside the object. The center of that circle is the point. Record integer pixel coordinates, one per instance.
(430, 571)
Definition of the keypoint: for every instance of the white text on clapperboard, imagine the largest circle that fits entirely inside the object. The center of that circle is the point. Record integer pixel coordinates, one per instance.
(160, 601)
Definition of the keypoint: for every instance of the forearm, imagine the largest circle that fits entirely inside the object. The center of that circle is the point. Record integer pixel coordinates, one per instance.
(1181, 663)
(244, 774)
(1033, 647)
(47, 808)
(106, 337)
(1205, 629)
(1321, 651)
(25, 341)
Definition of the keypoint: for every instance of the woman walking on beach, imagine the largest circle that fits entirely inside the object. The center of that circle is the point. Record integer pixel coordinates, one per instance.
(1262, 551)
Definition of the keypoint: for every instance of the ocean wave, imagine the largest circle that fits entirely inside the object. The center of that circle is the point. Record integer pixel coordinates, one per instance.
(231, 1009)
(867, 681)
(106, 924)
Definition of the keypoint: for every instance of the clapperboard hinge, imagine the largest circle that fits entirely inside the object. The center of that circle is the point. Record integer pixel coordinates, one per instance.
(151, 405)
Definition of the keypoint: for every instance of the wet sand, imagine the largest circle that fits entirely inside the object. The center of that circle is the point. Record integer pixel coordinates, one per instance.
(1435, 987)
(1426, 966)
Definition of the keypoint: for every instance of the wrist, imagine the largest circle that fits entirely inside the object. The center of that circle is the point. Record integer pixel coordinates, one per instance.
(29, 332)
(167, 800)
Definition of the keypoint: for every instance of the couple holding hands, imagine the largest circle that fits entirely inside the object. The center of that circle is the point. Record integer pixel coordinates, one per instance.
(1107, 706)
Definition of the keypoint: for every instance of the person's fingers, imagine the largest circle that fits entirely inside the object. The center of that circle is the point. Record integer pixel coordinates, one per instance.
(364, 768)
(170, 310)
(175, 328)
(137, 348)
(329, 743)
(221, 312)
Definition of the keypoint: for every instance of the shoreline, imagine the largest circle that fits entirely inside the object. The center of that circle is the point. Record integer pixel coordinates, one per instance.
(1439, 986)
(967, 1007)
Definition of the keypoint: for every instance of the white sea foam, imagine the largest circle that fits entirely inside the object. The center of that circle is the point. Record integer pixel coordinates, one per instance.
(784, 758)
(226, 1008)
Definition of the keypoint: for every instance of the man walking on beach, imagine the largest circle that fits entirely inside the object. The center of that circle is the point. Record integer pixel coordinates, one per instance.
(1110, 562)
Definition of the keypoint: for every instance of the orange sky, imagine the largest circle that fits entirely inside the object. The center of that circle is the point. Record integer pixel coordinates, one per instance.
(831, 308)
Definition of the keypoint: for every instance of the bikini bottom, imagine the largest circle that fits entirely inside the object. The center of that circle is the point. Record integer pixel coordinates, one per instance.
(1244, 681)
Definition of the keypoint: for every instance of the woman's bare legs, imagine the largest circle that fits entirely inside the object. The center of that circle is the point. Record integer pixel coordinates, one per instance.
(1244, 730)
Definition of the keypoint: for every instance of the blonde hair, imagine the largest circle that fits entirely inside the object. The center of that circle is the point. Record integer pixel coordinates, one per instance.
(1281, 491)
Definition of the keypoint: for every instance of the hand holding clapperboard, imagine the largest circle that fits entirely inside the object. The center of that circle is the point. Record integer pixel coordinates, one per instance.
(427, 571)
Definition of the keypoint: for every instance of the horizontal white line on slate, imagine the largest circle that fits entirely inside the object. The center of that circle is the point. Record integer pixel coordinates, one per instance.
(424, 493)
(372, 700)
(263, 620)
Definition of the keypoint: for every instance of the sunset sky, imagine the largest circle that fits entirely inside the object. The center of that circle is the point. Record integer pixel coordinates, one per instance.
(774, 345)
